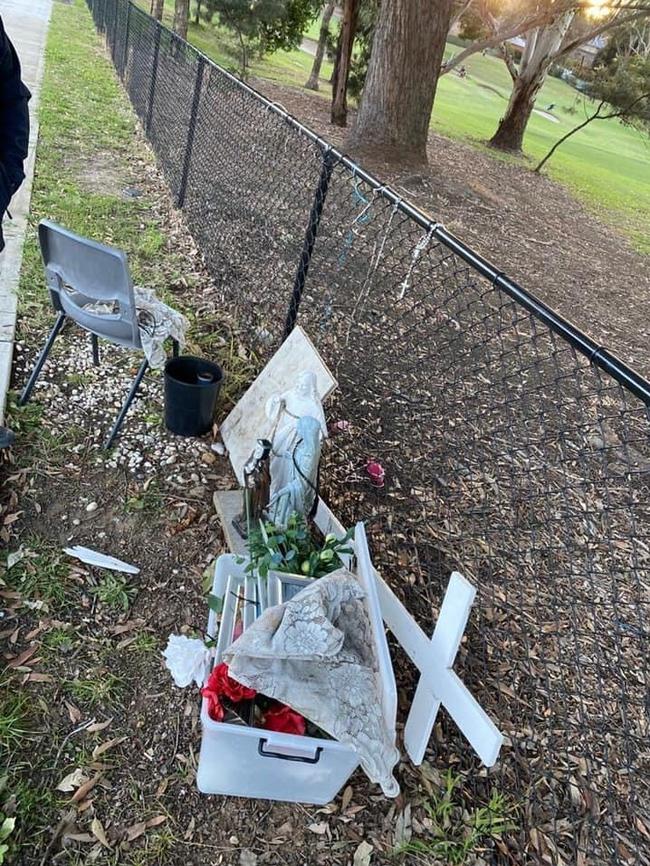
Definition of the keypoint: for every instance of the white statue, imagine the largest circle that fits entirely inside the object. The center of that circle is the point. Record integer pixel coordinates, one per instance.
(298, 495)
(284, 411)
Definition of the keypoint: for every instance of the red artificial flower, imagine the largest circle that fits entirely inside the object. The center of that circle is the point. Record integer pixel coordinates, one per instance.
(224, 685)
(284, 720)
(215, 710)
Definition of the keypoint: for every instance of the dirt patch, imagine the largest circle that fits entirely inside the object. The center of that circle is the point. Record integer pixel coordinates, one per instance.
(532, 228)
(105, 175)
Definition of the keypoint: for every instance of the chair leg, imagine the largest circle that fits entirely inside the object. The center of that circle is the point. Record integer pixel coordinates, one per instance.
(175, 348)
(24, 397)
(95, 342)
(127, 403)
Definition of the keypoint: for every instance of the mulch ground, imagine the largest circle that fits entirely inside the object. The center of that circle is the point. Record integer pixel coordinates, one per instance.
(533, 229)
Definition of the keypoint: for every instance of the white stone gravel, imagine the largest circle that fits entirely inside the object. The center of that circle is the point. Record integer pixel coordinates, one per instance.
(76, 394)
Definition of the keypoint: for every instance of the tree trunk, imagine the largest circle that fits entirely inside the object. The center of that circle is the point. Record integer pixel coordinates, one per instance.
(312, 82)
(512, 126)
(157, 9)
(340, 83)
(181, 15)
(543, 44)
(407, 52)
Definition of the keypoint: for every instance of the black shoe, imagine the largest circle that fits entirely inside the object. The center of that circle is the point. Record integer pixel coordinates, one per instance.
(7, 438)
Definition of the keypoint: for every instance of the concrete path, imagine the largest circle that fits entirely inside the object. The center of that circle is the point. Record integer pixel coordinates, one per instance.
(26, 22)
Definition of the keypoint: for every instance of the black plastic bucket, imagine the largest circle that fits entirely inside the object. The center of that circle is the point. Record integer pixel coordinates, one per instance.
(191, 389)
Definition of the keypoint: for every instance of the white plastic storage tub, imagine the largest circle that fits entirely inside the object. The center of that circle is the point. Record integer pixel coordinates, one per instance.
(251, 762)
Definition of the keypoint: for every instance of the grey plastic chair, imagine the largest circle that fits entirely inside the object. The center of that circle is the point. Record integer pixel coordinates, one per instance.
(79, 272)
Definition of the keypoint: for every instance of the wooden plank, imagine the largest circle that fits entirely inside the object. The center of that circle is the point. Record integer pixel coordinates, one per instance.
(228, 504)
(248, 422)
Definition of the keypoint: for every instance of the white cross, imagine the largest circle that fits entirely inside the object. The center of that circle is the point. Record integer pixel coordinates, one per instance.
(434, 658)
(438, 683)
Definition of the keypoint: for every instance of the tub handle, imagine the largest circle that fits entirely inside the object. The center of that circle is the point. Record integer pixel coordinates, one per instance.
(266, 754)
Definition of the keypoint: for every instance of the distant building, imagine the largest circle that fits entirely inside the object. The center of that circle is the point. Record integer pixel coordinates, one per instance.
(585, 54)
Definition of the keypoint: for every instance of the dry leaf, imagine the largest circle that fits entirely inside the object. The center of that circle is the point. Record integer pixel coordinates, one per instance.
(80, 837)
(319, 829)
(38, 678)
(346, 799)
(127, 626)
(155, 822)
(23, 657)
(72, 780)
(98, 832)
(98, 726)
(403, 830)
(363, 854)
(162, 787)
(74, 713)
(247, 858)
(85, 805)
(80, 793)
(135, 831)
(99, 750)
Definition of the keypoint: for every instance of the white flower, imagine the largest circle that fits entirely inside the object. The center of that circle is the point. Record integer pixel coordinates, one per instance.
(186, 659)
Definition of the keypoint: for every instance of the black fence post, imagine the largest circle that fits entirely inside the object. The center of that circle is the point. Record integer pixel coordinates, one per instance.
(125, 47)
(154, 78)
(113, 42)
(198, 83)
(310, 239)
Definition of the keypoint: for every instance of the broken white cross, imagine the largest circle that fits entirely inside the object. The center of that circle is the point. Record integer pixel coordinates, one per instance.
(438, 683)
(434, 657)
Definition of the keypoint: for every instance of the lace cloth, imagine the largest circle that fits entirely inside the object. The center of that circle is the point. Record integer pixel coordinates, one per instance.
(316, 653)
(157, 322)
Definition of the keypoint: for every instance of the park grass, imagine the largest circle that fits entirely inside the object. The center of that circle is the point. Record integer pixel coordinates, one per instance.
(216, 42)
(606, 165)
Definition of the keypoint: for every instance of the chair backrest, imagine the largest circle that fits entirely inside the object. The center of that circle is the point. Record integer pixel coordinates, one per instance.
(81, 272)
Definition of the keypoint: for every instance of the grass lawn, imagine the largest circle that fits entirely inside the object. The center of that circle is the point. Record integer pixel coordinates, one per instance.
(216, 42)
(606, 165)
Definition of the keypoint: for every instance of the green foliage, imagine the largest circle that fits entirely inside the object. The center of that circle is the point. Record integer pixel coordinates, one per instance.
(114, 591)
(293, 550)
(472, 26)
(96, 691)
(42, 576)
(264, 26)
(457, 832)
(59, 638)
(6, 828)
(624, 84)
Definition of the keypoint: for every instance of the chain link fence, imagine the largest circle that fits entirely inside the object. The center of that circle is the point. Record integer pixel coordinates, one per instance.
(516, 450)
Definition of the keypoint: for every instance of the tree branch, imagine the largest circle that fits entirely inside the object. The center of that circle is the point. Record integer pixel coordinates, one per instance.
(623, 112)
(596, 31)
(508, 32)
(511, 66)
(464, 7)
(571, 132)
(539, 19)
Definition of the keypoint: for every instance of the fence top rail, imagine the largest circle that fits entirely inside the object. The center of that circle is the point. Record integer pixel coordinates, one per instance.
(597, 355)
